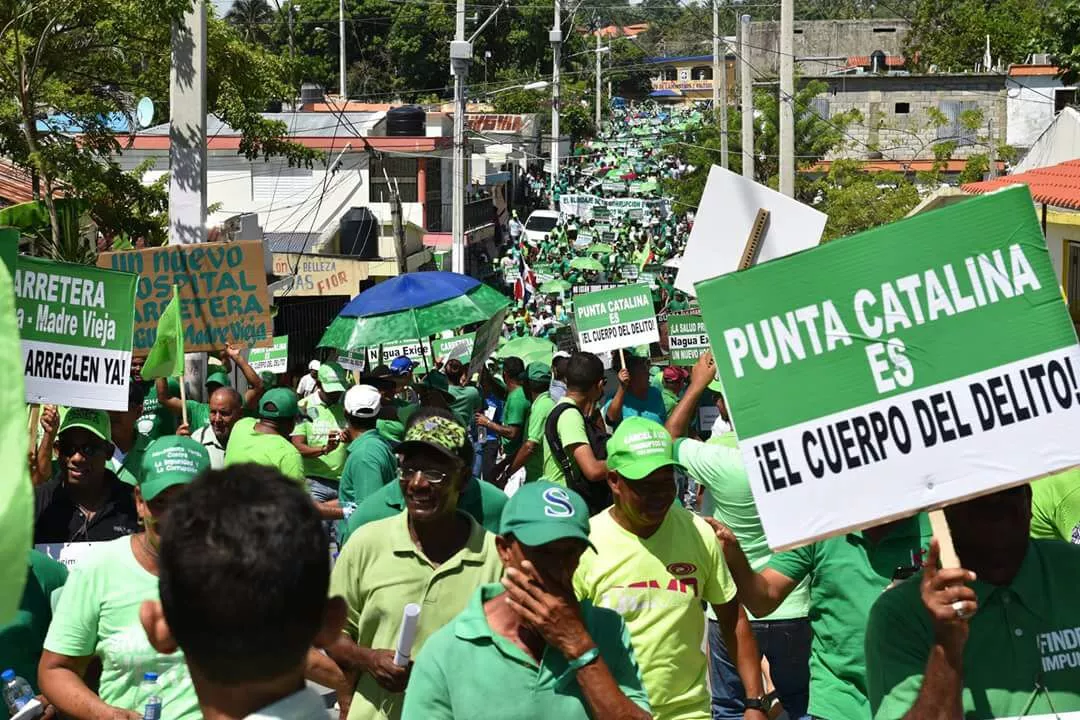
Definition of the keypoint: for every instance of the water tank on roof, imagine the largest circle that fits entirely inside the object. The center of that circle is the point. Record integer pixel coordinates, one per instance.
(360, 233)
(407, 121)
(877, 62)
(310, 93)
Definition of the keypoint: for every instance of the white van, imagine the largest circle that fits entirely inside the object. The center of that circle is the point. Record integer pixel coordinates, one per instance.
(539, 224)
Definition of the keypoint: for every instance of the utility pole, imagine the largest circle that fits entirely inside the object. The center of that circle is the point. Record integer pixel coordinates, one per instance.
(597, 77)
(719, 85)
(399, 226)
(342, 88)
(787, 98)
(746, 83)
(555, 36)
(460, 57)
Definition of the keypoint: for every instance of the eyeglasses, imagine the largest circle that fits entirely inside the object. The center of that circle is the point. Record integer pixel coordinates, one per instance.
(432, 477)
(87, 450)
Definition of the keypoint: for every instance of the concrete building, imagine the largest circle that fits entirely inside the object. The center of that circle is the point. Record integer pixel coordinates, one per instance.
(1036, 95)
(682, 80)
(824, 46)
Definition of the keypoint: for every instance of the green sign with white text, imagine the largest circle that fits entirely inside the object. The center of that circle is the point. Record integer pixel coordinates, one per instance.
(687, 338)
(619, 317)
(274, 358)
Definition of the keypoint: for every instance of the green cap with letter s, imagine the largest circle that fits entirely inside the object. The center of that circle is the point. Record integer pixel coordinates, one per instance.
(542, 512)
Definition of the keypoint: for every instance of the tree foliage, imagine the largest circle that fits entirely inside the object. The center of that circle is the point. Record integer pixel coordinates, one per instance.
(857, 200)
(951, 34)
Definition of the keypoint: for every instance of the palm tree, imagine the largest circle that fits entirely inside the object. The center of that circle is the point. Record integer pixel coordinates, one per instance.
(251, 18)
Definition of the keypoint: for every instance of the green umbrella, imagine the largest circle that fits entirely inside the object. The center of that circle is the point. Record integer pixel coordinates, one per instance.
(553, 287)
(586, 263)
(601, 248)
(529, 349)
(355, 333)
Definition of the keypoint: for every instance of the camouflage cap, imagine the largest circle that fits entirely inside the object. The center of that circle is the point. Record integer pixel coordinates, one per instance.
(447, 436)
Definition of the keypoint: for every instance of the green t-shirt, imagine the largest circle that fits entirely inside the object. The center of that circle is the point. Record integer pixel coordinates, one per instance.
(248, 446)
(371, 464)
(1023, 635)
(379, 571)
(515, 414)
(847, 574)
(22, 638)
(1055, 507)
(156, 420)
(321, 423)
(499, 669)
(571, 429)
(670, 399)
(541, 408)
(467, 402)
(98, 614)
(719, 467)
(480, 500)
(394, 430)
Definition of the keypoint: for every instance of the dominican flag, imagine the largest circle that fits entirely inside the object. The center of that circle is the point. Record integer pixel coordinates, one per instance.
(525, 285)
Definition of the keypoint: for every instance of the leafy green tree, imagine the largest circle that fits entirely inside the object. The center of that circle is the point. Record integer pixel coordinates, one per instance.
(856, 200)
(1060, 36)
(951, 34)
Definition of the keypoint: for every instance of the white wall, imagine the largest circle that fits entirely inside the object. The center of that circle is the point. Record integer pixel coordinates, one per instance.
(1030, 108)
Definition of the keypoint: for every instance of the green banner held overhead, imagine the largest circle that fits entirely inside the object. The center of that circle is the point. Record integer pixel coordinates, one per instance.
(620, 317)
(902, 368)
(687, 338)
(274, 359)
(459, 347)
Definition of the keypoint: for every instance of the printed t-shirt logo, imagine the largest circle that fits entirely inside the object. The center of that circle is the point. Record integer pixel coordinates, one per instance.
(679, 568)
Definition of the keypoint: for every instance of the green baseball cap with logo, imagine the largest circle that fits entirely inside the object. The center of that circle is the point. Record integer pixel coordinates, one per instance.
(218, 378)
(330, 374)
(538, 372)
(442, 434)
(94, 421)
(278, 404)
(542, 512)
(171, 460)
(638, 448)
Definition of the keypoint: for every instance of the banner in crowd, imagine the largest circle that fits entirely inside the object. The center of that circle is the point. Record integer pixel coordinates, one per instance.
(419, 352)
(274, 358)
(487, 339)
(909, 366)
(630, 272)
(579, 204)
(76, 324)
(594, 287)
(687, 338)
(565, 339)
(223, 296)
(459, 347)
(620, 317)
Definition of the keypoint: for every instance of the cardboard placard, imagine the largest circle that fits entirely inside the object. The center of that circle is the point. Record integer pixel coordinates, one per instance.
(223, 296)
(75, 323)
(274, 358)
(907, 367)
(687, 338)
(620, 317)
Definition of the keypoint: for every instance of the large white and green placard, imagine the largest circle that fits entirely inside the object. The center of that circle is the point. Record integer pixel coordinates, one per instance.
(419, 352)
(459, 347)
(274, 358)
(900, 369)
(619, 317)
(687, 338)
(76, 323)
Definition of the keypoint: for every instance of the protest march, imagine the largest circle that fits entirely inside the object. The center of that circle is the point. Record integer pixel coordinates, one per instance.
(660, 462)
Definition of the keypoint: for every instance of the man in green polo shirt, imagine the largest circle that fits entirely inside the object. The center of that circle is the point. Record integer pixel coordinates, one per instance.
(467, 400)
(998, 638)
(1055, 507)
(264, 440)
(515, 417)
(847, 574)
(318, 437)
(531, 644)
(530, 455)
(431, 555)
(370, 464)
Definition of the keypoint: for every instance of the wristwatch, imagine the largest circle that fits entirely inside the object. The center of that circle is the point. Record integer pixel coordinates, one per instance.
(757, 703)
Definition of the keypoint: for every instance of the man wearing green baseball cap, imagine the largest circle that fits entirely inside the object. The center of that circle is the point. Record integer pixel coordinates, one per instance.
(319, 436)
(198, 413)
(529, 641)
(530, 455)
(646, 544)
(264, 440)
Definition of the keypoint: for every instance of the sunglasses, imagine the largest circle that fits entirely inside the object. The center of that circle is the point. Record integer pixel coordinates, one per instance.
(87, 450)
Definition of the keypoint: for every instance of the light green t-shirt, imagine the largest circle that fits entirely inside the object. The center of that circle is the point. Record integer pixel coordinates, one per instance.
(98, 614)
(321, 422)
(379, 571)
(541, 408)
(718, 466)
(1055, 507)
(657, 584)
(571, 428)
(248, 446)
(156, 420)
(516, 413)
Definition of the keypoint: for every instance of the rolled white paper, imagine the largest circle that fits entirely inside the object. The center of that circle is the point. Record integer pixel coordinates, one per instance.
(410, 618)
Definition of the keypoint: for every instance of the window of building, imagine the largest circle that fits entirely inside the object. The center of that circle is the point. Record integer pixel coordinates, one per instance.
(884, 30)
(954, 128)
(1063, 97)
(669, 74)
(400, 170)
(902, 108)
(701, 73)
(434, 194)
(275, 181)
(820, 107)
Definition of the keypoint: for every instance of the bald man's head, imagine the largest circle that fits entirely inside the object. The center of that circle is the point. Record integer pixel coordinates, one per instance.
(226, 407)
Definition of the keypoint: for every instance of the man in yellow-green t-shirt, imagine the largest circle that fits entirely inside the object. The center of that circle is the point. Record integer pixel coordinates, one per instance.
(318, 437)
(655, 564)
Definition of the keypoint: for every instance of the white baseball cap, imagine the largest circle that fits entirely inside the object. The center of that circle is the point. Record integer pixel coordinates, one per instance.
(314, 365)
(363, 401)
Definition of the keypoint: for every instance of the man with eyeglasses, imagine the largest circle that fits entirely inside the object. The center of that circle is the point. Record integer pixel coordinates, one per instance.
(432, 555)
(84, 502)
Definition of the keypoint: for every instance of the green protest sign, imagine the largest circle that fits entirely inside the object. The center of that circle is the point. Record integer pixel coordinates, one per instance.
(647, 278)
(908, 366)
(619, 317)
(487, 339)
(76, 324)
(9, 248)
(629, 271)
(687, 338)
(419, 352)
(274, 358)
(459, 346)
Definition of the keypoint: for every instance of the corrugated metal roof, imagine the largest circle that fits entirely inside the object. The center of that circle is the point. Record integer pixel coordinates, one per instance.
(1033, 70)
(1057, 185)
(350, 124)
(291, 242)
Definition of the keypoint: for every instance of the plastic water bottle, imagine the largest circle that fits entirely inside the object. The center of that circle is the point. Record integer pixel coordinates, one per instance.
(17, 692)
(149, 690)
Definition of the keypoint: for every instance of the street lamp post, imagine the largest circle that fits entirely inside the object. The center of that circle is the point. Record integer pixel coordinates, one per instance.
(342, 89)
(555, 36)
